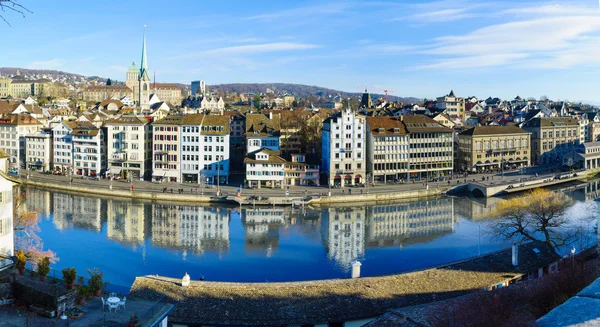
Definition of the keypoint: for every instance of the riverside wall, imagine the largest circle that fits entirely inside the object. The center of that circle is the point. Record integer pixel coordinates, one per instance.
(381, 197)
(153, 196)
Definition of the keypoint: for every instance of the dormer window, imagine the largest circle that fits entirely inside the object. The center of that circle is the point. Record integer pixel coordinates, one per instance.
(381, 130)
(396, 130)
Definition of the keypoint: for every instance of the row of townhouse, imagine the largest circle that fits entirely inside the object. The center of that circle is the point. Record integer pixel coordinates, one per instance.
(76, 148)
(358, 149)
(355, 149)
(265, 164)
(191, 148)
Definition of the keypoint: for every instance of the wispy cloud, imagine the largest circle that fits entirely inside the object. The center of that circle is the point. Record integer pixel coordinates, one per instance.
(542, 36)
(301, 12)
(262, 48)
(444, 15)
(249, 49)
(47, 64)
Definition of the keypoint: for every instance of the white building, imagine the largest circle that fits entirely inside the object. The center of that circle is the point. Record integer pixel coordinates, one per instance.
(7, 245)
(205, 149)
(265, 167)
(40, 150)
(343, 148)
(13, 129)
(262, 132)
(166, 150)
(452, 105)
(129, 147)
(63, 146)
(89, 150)
(387, 148)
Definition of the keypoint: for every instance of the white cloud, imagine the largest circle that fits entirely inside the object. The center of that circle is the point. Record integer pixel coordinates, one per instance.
(47, 64)
(551, 9)
(544, 37)
(301, 12)
(261, 48)
(478, 61)
(444, 15)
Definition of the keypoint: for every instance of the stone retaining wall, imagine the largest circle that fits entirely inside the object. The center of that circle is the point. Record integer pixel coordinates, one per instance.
(120, 193)
(381, 197)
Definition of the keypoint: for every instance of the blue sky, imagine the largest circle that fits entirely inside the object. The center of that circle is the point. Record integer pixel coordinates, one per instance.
(417, 48)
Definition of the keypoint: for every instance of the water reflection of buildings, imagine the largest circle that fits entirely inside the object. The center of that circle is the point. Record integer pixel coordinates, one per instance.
(197, 229)
(165, 225)
(204, 229)
(76, 211)
(39, 201)
(405, 223)
(126, 221)
(6, 218)
(584, 192)
(344, 233)
(477, 209)
(261, 227)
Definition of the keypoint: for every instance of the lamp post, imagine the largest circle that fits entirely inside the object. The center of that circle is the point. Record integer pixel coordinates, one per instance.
(573, 255)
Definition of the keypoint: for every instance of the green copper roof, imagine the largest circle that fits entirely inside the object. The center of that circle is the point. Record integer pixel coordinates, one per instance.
(144, 65)
(133, 67)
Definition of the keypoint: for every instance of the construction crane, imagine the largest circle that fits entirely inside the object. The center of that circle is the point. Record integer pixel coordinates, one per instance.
(386, 91)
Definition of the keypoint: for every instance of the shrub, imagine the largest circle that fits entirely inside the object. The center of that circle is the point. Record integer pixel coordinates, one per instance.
(21, 260)
(43, 267)
(95, 282)
(69, 275)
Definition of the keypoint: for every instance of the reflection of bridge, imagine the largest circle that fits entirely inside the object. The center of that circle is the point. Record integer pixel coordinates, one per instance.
(511, 184)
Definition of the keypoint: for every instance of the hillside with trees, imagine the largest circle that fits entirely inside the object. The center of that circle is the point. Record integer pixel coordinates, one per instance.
(298, 90)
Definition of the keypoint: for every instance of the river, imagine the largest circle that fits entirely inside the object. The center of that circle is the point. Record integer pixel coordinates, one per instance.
(129, 238)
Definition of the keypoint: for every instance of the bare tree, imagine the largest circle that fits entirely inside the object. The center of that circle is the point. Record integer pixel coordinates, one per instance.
(12, 6)
(538, 216)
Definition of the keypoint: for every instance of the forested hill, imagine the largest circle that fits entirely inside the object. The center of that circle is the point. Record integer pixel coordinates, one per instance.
(299, 90)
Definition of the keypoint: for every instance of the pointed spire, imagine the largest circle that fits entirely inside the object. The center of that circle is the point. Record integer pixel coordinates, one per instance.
(143, 64)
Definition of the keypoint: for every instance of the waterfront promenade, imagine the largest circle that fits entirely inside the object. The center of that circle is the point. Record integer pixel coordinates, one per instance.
(208, 193)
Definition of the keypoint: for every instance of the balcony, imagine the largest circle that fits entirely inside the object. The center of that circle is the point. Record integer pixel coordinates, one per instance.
(121, 156)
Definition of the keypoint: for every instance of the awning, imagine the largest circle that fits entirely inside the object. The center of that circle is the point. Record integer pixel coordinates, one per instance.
(522, 160)
(115, 170)
(164, 173)
(488, 164)
(358, 176)
(338, 176)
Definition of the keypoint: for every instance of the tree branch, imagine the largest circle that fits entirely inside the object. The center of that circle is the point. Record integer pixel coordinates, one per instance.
(14, 6)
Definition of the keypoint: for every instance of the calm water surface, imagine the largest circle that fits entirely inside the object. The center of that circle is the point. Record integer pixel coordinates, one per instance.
(129, 238)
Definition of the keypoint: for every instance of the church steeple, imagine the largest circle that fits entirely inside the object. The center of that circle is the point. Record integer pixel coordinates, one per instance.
(144, 79)
(144, 64)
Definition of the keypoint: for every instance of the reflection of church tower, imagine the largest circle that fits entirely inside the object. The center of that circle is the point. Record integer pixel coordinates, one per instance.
(144, 79)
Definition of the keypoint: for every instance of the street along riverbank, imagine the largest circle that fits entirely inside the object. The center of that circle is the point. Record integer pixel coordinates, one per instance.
(191, 195)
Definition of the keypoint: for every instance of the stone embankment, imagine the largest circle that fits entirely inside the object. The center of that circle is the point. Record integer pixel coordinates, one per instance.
(155, 196)
(245, 200)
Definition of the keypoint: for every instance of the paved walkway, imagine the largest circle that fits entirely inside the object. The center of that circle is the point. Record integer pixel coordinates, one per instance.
(236, 180)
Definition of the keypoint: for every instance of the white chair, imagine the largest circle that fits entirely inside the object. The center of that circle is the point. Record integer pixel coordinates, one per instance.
(103, 303)
(112, 295)
(122, 302)
(113, 306)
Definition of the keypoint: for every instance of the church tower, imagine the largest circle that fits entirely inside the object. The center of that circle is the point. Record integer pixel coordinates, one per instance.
(131, 80)
(144, 79)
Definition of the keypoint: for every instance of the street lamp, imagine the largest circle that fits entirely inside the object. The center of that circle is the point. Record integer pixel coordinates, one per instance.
(573, 255)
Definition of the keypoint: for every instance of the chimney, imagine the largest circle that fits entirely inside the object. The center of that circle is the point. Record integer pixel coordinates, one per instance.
(515, 254)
